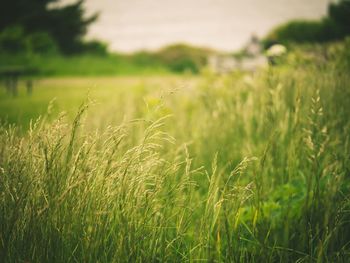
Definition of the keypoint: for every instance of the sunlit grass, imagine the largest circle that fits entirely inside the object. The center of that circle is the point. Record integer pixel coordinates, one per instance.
(234, 168)
(110, 93)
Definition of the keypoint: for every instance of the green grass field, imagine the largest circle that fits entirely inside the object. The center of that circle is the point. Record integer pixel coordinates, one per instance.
(83, 65)
(235, 168)
(125, 93)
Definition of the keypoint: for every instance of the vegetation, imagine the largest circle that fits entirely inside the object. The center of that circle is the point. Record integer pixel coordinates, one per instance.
(172, 59)
(333, 27)
(234, 168)
(63, 25)
(82, 65)
(182, 58)
(48, 36)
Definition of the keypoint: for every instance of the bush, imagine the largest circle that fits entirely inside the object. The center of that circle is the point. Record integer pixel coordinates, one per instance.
(182, 58)
(333, 27)
(144, 58)
(12, 40)
(94, 47)
(303, 31)
(41, 42)
(340, 14)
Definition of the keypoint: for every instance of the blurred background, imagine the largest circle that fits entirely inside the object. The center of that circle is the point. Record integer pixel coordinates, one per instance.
(225, 25)
(68, 43)
(138, 33)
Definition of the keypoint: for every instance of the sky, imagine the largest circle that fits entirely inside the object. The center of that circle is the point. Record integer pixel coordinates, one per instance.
(130, 25)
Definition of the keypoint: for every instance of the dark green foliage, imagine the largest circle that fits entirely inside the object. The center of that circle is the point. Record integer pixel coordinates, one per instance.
(41, 42)
(95, 47)
(66, 25)
(12, 40)
(340, 14)
(333, 27)
(306, 31)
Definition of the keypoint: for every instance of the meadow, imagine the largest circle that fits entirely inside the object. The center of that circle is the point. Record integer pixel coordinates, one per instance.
(241, 167)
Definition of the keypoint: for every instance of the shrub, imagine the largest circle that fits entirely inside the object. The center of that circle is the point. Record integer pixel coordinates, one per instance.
(12, 40)
(333, 27)
(182, 58)
(304, 31)
(94, 47)
(41, 42)
(144, 58)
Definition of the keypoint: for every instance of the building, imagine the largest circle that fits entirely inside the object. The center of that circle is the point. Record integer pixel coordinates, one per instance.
(252, 59)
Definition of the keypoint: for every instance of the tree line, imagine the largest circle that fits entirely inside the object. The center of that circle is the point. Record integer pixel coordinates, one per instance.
(335, 26)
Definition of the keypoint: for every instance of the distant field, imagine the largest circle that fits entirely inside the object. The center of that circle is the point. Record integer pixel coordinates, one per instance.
(82, 65)
(173, 59)
(67, 93)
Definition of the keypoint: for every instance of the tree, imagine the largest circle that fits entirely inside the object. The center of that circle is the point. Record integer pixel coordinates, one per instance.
(335, 26)
(66, 25)
(340, 14)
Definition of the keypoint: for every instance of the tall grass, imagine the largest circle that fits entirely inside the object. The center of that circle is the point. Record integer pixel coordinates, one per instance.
(246, 168)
